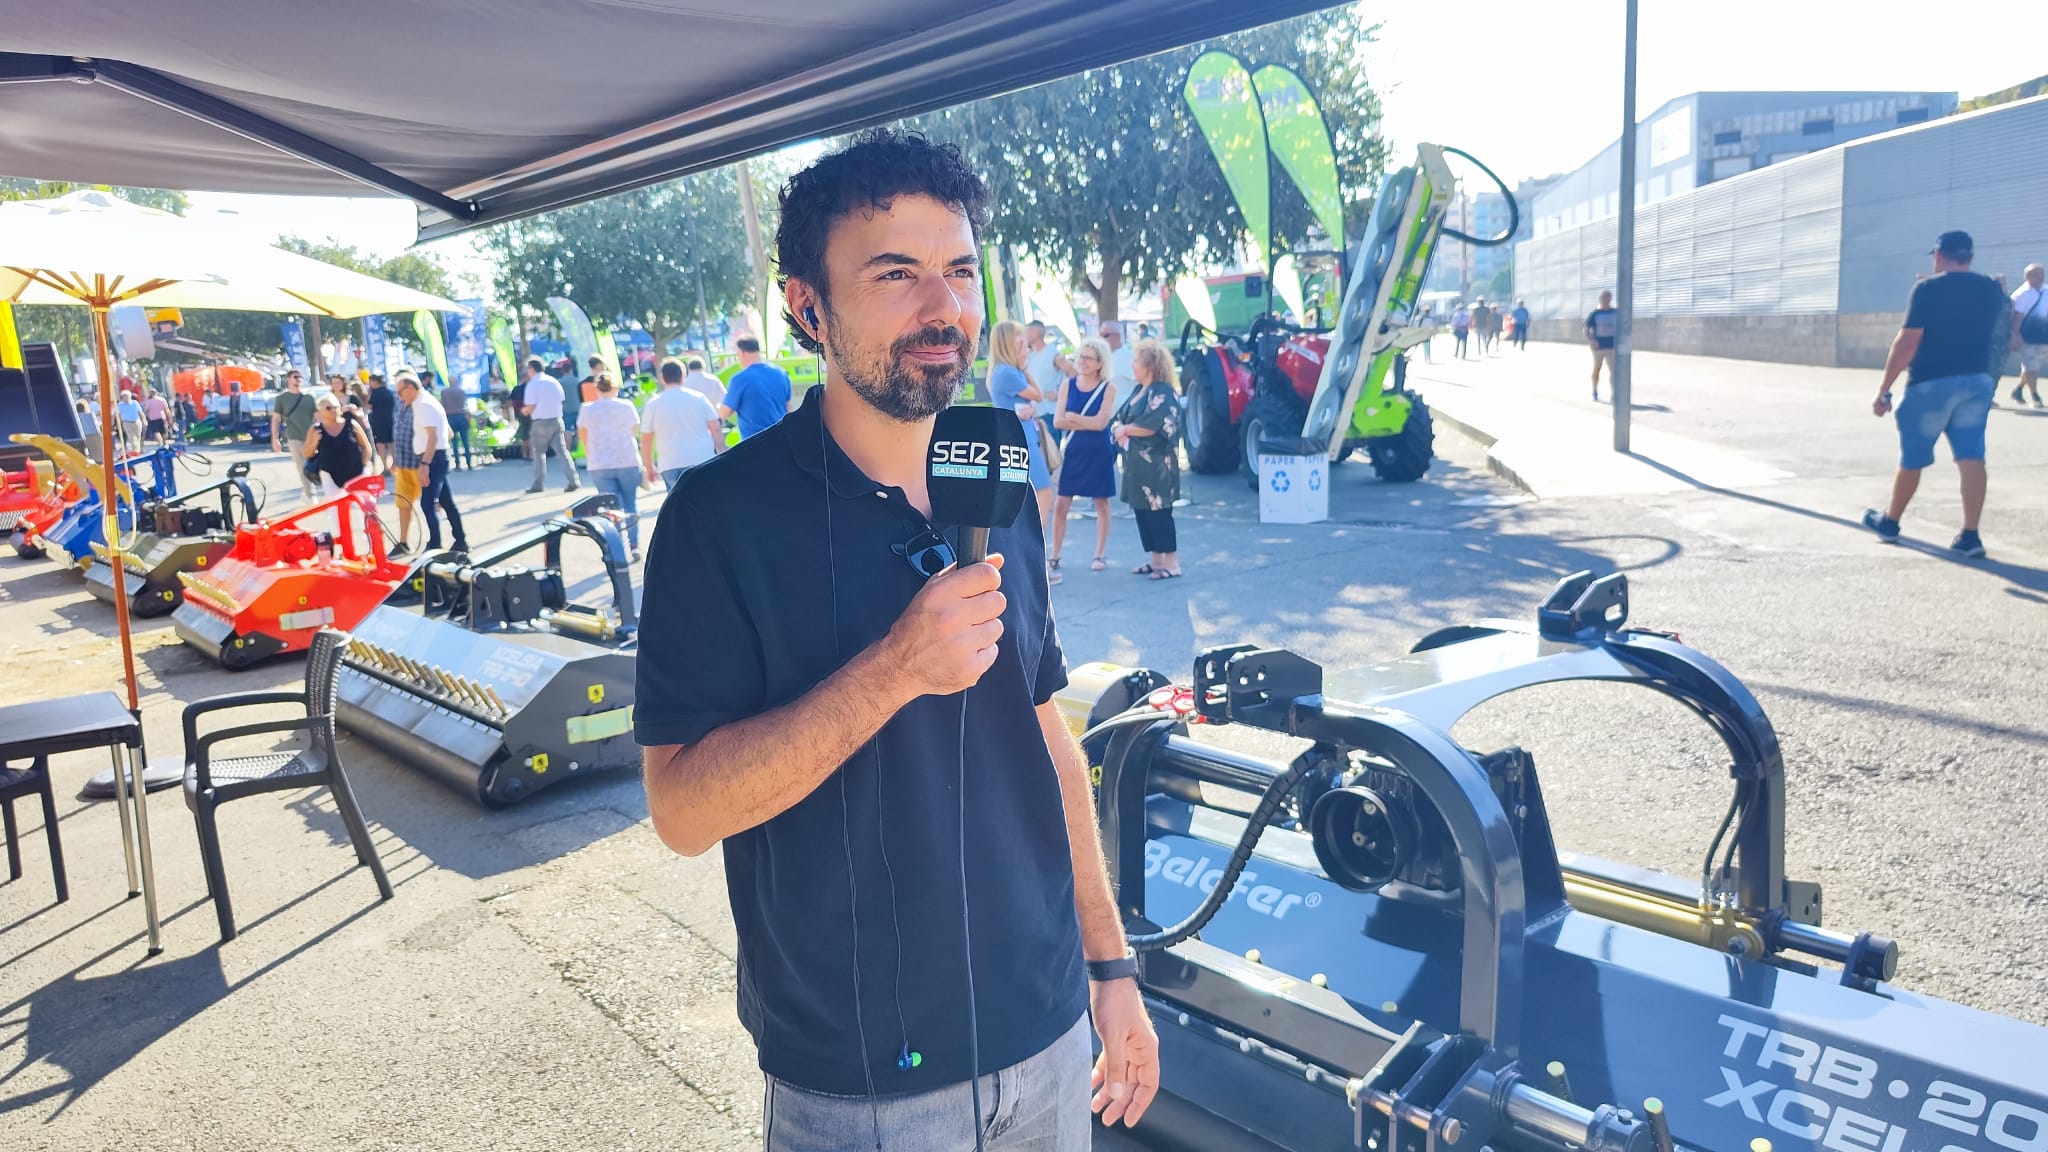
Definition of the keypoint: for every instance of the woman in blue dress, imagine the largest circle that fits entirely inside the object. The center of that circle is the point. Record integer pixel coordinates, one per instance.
(1084, 408)
(1010, 387)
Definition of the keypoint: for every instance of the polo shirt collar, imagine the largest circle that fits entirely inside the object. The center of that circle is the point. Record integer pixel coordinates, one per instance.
(805, 432)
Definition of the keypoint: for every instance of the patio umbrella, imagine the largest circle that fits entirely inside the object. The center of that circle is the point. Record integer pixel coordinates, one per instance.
(95, 249)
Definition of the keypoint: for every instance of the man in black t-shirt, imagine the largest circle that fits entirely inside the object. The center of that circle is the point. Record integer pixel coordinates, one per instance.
(910, 846)
(383, 420)
(1603, 324)
(1945, 348)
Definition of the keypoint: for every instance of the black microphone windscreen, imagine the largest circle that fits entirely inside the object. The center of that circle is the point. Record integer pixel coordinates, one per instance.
(978, 470)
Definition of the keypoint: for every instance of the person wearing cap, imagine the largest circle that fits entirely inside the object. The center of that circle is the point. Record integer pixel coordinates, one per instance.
(1945, 347)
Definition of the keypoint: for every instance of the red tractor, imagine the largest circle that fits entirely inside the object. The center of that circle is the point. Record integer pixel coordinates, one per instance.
(1246, 390)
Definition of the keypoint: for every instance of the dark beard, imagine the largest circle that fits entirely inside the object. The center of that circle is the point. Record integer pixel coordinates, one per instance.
(907, 391)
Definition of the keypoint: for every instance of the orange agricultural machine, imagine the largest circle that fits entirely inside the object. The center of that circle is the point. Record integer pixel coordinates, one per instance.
(285, 579)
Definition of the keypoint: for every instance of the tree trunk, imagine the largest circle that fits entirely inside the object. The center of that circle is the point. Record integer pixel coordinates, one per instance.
(1107, 286)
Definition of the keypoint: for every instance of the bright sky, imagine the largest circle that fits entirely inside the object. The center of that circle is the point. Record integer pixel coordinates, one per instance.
(1534, 87)
(1531, 87)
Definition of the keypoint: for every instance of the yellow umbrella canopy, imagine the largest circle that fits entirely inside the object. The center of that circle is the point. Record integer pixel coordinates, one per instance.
(98, 250)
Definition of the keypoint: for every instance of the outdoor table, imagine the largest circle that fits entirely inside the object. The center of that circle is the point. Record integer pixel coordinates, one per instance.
(44, 728)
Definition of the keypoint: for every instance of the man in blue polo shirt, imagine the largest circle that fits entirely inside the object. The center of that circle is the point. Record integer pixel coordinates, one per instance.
(758, 396)
(910, 844)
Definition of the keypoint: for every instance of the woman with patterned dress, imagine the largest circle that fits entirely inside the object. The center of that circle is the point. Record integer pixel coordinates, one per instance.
(1084, 408)
(1150, 433)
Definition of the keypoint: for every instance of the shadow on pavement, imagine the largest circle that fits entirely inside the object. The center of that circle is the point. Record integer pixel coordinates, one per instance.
(2033, 579)
(90, 1026)
(2031, 736)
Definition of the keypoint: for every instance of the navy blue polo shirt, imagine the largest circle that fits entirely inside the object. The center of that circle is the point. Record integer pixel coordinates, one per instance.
(739, 619)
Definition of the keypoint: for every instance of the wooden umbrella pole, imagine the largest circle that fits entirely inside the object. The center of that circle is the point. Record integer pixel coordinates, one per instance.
(111, 508)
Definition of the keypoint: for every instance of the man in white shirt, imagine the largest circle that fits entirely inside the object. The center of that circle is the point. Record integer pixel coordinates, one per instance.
(430, 445)
(704, 383)
(679, 428)
(1121, 372)
(543, 405)
(2030, 332)
(1046, 365)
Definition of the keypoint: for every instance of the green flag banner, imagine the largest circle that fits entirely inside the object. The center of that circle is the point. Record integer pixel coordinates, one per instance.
(1300, 140)
(506, 351)
(427, 326)
(576, 329)
(608, 351)
(1219, 92)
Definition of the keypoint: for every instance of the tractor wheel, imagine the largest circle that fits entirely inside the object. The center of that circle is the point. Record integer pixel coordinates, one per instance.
(1404, 457)
(1212, 443)
(1266, 415)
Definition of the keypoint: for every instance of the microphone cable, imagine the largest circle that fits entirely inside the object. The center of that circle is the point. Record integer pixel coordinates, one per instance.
(967, 943)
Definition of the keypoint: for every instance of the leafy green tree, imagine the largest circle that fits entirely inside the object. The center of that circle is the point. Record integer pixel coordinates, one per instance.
(637, 255)
(1106, 173)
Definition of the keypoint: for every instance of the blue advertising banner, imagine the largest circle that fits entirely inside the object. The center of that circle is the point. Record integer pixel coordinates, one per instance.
(373, 343)
(469, 347)
(295, 348)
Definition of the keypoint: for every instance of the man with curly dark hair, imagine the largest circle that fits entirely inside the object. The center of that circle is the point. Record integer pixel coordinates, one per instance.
(923, 914)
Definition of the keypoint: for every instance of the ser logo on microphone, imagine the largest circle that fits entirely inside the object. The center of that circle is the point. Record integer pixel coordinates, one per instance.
(968, 460)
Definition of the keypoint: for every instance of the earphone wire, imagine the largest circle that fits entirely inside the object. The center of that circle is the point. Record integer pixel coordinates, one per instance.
(845, 821)
(967, 942)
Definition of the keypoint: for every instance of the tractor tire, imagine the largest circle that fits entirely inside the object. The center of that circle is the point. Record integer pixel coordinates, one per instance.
(1265, 415)
(1212, 443)
(1403, 458)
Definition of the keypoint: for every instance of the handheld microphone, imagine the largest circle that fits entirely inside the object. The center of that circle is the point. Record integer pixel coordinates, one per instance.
(978, 474)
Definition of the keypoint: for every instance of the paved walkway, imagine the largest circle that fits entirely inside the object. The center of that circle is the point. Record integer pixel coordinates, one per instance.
(1801, 436)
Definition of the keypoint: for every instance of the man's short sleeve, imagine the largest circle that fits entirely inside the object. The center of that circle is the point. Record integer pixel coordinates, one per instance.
(1918, 304)
(735, 390)
(1052, 664)
(700, 662)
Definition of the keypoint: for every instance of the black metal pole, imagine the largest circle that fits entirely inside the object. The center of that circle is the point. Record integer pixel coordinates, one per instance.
(1625, 237)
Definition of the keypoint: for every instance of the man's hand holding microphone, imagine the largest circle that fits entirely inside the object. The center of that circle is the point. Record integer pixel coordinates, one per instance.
(949, 635)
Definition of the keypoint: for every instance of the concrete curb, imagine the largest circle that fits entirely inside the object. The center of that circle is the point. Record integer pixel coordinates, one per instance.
(1486, 440)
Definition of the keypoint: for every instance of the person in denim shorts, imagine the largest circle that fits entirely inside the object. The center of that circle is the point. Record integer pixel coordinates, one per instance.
(1945, 346)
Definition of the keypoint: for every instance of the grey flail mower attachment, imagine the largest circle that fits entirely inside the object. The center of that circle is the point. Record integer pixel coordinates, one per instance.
(485, 673)
(1376, 944)
(178, 534)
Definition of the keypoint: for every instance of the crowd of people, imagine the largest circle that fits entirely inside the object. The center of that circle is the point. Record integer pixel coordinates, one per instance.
(1082, 413)
(1477, 330)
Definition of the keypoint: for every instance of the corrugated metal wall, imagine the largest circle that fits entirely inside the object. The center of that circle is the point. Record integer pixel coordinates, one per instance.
(1843, 231)
(1981, 172)
(1760, 244)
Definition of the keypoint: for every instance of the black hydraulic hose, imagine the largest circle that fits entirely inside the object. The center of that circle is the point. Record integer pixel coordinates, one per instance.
(1735, 806)
(1255, 825)
(1514, 210)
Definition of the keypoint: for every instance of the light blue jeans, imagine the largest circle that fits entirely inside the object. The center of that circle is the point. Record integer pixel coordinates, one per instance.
(623, 483)
(1037, 1105)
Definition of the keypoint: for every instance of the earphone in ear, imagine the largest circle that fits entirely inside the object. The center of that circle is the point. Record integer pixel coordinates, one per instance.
(811, 318)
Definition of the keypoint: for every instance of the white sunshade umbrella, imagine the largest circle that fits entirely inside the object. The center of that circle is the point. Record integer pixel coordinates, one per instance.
(98, 250)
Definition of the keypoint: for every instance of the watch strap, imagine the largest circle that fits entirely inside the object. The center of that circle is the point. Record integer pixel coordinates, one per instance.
(1117, 969)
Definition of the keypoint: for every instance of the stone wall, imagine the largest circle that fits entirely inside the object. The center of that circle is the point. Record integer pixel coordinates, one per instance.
(1831, 341)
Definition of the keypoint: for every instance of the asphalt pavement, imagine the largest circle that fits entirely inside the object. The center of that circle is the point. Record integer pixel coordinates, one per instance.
(550, 976)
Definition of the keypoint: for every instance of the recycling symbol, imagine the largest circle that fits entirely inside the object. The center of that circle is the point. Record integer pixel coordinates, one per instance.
(1280, 482)
(1315, 480)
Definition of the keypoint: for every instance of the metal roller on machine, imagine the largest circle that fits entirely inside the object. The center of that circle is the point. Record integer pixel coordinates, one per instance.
(488, 676)
(27, 519)
(174, 536)
(1393, 956)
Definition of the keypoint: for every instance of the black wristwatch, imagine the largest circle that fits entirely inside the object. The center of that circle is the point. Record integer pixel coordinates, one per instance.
(1123, 966)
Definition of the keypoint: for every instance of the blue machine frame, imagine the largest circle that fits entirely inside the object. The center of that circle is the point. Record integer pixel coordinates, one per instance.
(1314, 1014)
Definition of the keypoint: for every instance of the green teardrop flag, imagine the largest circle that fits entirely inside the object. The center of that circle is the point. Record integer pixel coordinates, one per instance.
(608, 351)
(1300, 140)
(1219, 93)
(507, 352)
(427, 326)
